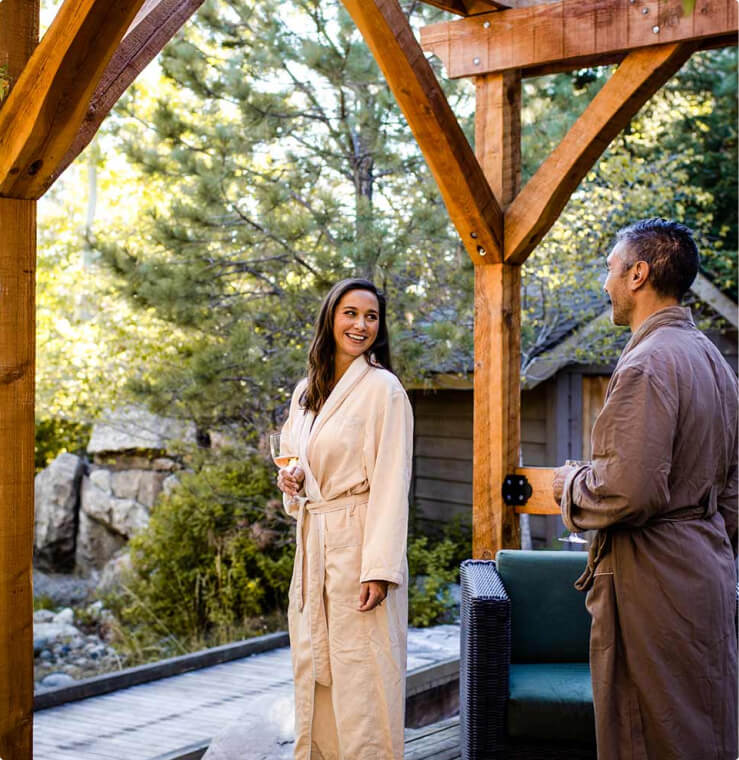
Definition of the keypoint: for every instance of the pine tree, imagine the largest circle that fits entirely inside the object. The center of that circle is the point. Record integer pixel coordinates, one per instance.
(284, 165)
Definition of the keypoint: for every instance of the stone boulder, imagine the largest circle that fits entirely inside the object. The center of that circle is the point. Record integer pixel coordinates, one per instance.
(114, 572)
(133, 429)
(57, 497)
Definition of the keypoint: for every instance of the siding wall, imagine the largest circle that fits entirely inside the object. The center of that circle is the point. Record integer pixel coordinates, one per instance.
(442, 477)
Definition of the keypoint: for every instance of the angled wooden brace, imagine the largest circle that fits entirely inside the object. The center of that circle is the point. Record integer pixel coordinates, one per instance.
(42, 115)
(538, 205)
(470, 201)
(156, 23)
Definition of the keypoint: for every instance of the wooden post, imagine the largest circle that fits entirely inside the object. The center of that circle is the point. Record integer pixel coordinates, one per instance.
(18, 36)
(497, 395)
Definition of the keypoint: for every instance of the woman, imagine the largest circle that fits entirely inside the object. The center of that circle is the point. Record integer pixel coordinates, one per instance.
(350, 425)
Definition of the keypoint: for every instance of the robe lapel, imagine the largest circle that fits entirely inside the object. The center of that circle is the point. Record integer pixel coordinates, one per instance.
(311, 425)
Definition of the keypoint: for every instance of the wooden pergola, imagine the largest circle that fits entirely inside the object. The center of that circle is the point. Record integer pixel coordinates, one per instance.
(63, 86)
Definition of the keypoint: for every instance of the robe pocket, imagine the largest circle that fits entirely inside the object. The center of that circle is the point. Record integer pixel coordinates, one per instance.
(601, 604)
(348, 634)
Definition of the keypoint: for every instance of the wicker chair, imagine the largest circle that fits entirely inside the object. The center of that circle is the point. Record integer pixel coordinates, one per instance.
(524, 676)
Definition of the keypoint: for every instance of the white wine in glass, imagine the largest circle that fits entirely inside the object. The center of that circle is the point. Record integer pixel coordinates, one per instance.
(280, 459)
(574, 538)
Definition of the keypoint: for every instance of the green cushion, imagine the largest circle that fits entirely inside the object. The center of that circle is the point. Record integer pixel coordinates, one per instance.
(549, 622)
(551, 702)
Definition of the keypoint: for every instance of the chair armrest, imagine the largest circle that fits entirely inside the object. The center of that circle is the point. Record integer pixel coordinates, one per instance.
(485, 657)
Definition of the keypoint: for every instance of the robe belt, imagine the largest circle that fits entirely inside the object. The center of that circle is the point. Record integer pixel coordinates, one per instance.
(316, 577)
(601, 544)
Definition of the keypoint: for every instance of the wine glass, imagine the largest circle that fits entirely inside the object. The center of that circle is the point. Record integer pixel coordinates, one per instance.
(574, 538)
(275, 447)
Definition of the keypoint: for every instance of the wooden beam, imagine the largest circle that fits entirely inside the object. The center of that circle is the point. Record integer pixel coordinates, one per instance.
(498, 132)
(156, 23)
(468, 7)
(19, 24)
(537, 206)
(546, 38)
(497, 406)
(542, 499)
(466, 193)
(41, 117)
(497, 395)
(710, 294)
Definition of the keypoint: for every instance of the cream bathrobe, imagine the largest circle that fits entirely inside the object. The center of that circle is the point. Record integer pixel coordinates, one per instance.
(349, 666)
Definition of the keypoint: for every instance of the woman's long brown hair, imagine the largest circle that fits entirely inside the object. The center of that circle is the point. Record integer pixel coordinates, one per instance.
(323, 346)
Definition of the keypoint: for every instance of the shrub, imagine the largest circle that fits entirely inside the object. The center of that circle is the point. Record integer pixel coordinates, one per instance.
(55, 435)
(216, 554)
(433, 564)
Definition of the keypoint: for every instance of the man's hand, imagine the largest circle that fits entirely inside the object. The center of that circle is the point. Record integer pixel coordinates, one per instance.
(558, 484)
(371, 594)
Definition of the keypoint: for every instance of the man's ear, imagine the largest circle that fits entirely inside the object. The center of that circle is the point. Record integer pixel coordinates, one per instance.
(639, 275)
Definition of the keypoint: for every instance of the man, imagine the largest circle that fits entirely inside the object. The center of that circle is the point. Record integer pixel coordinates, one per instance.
(662, 493)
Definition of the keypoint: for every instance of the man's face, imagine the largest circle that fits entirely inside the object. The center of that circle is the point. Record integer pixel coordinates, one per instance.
(618, 264)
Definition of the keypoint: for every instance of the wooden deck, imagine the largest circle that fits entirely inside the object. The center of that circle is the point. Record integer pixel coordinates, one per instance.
(161, 718)
(439, 741)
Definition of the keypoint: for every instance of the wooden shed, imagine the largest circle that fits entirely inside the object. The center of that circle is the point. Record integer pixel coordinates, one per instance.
(62, 87)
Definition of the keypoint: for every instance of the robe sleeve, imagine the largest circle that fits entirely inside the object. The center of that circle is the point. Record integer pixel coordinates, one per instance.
(289, 443)
(628, 479)
(388, 457)
(727, 504)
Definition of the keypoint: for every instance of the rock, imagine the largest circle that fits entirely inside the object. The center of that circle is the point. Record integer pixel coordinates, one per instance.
(132, 428)
(101, 478)
(45, 634)
(56, 680)
(164, 464)
(56, 503)
(150, 487)
(64, 616)
(126, 483)
(62, 589)
(120, 515)
(265, 731)
(113, 573)
(95, 543)
(128, 516)
(43, 616)
(169, 484)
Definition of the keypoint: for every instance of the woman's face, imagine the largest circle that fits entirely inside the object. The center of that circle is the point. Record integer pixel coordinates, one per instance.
(356, 322)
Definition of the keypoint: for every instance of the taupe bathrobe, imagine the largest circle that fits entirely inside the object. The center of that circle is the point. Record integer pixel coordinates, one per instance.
(349, 666)
(662, 491)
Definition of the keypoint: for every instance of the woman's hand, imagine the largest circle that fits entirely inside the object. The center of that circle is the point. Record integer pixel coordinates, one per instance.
(290, 479)
(371, 593)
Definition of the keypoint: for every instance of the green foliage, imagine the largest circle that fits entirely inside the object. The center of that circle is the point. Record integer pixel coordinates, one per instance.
(55, 435)
(278, 163)
(217, 552)
(44, 602)
(431, 570)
